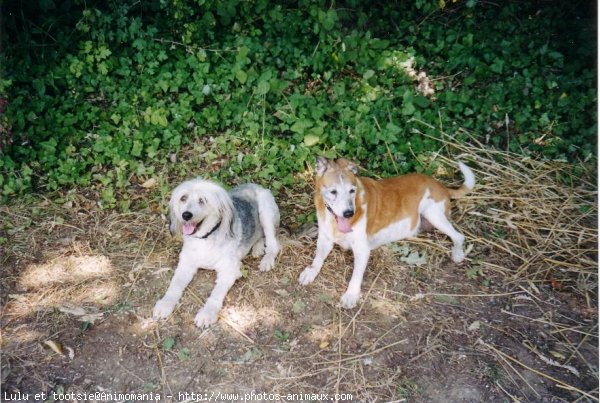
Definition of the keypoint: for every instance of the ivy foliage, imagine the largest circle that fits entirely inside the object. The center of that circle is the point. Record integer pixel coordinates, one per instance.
(99, 92)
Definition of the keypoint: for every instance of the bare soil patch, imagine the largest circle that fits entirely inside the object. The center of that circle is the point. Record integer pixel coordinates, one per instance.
(517, 322)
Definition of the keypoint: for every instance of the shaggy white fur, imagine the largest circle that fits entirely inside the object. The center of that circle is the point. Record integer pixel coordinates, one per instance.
(219, 228)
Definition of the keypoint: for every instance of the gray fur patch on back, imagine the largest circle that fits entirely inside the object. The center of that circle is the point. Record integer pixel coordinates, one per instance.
(248, 216)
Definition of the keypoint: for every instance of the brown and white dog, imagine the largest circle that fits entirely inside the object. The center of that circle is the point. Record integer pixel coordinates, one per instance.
(363, 214)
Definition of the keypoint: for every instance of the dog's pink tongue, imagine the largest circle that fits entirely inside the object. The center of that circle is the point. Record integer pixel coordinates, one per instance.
(343, 225)
(188, 228)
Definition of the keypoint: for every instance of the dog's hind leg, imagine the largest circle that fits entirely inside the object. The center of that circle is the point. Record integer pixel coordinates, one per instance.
(268, 215)
(438, 219)
(183, 275)
(258, 249)
(226, 277)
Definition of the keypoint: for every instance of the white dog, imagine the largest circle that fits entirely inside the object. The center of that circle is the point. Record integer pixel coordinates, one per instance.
(219, 229)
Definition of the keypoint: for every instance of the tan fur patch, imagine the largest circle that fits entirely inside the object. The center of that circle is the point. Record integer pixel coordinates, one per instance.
(341, 167)
(388, 200)
(394, 199)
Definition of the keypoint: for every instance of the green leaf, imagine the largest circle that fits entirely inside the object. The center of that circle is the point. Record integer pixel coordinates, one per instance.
(328, 299)
(183, 354)
(301, 125)
(468, 39)
(379, 43)
(241, 76)
(88, 46)
(329, 19)
(282, 335)
(393, 129)
(497, 66)
(414, 259)
(163, 85)
(103, 53)
(162, 120)
(298, 306)
(242, 54)
(421, 101)
(201, 55)
(136, 150)
(311, 140)
(139, 44)
(408, 108)
(102, 68)
(245, 272)
(39, 86)
(168, 343)
(263, 88)
(408, 255)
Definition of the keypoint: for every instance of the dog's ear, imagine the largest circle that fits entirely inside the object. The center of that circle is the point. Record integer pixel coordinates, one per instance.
(174, 218)
(322, 165)
(174, 223)
(349, 165)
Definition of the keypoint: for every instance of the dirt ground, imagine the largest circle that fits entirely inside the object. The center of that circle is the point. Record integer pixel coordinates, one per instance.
(515, 323)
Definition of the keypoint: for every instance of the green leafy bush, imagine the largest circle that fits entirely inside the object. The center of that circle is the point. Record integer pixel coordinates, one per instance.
(98, 92)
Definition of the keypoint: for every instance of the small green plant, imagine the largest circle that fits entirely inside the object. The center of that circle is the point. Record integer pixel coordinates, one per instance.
(476, 273)
(123, 307)
(493, 373)
(282, 335)
(407, 390)
(500, 233)
(168, 344)
(85, 326)
(184, 354)
(298, 307)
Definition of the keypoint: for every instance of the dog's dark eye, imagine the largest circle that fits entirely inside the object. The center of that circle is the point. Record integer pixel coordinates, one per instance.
(201, 201)
(334, 192)
(183, 198)
(352, 191)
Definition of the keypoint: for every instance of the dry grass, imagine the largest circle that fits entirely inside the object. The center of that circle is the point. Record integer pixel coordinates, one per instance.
(533, 212)
(518, 321)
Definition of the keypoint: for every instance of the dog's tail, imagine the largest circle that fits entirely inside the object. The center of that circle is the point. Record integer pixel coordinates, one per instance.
(467, 185)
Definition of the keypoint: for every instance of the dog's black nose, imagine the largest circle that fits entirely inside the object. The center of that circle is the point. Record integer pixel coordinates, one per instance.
(348, 213)
(187, 215)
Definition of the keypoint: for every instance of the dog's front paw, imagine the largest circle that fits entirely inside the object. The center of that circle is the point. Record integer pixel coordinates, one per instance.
(206, 316)
(458, 255)
(266, 263)
(308, 275)
(349, 300)
(163, 308)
